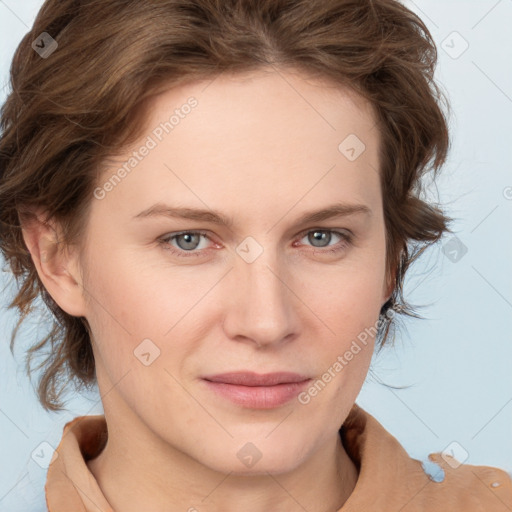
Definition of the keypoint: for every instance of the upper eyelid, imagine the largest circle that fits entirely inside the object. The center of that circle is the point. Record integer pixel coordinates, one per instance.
(330, 230)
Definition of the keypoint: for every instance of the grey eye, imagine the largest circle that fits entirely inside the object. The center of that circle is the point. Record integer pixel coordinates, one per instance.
(319, 236)
(191, 240)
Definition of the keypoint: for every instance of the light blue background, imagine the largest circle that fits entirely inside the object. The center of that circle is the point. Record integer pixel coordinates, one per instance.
(457, 362)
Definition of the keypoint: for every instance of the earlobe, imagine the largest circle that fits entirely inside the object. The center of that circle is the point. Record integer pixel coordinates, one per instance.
(56, 265)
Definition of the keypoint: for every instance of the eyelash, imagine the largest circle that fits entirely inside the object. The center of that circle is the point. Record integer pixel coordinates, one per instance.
(346, 241)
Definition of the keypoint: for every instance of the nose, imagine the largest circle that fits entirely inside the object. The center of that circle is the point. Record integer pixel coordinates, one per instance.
(262, 305)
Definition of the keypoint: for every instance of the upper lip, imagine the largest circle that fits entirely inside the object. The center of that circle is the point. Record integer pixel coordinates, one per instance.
(244, 378)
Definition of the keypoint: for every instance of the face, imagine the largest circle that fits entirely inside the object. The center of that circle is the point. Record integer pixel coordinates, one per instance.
(173, 300)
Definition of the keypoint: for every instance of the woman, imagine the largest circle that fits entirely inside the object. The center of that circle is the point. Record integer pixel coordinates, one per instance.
(218, 202)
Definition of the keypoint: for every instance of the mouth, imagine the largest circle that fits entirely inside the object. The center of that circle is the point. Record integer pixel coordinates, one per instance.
(257, 391)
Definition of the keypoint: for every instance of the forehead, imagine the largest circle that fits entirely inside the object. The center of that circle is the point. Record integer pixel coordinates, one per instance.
(265, 101)
(270, 135)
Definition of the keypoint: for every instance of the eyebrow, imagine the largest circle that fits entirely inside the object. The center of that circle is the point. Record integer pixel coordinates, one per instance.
(215, 217)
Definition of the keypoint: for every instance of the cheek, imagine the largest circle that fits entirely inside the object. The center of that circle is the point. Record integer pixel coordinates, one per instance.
(137, 313)
(348, 297)
(121, 311)
(346, 303)
(124, 293)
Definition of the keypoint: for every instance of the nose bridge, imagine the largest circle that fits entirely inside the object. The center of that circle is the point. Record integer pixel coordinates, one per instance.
(261, 307)
(264, 282)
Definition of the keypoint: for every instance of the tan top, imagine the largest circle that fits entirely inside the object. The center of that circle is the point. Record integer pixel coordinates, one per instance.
(388, 480)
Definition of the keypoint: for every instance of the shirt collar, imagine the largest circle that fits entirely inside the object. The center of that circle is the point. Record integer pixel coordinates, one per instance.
(388, 479)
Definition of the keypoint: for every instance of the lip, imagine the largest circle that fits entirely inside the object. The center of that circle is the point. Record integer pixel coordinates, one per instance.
(257, 391)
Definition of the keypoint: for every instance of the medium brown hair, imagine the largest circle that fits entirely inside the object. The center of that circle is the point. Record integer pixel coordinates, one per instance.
(69, 112)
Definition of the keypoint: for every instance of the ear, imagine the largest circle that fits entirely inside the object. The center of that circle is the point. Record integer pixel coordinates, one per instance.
(56, 264)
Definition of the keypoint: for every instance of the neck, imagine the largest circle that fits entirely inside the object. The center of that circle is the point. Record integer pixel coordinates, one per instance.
(139, 471)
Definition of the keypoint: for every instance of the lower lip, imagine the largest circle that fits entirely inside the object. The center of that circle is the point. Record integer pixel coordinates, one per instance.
(258, 397)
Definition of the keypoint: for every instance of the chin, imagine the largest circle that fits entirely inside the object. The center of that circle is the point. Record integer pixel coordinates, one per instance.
(258, 457)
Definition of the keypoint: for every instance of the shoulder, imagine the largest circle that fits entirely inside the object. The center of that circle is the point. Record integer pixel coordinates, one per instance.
(391, 480)
(456, 486)
(82, 439)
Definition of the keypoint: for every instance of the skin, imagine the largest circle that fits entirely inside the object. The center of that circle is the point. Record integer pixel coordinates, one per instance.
(261, 148)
